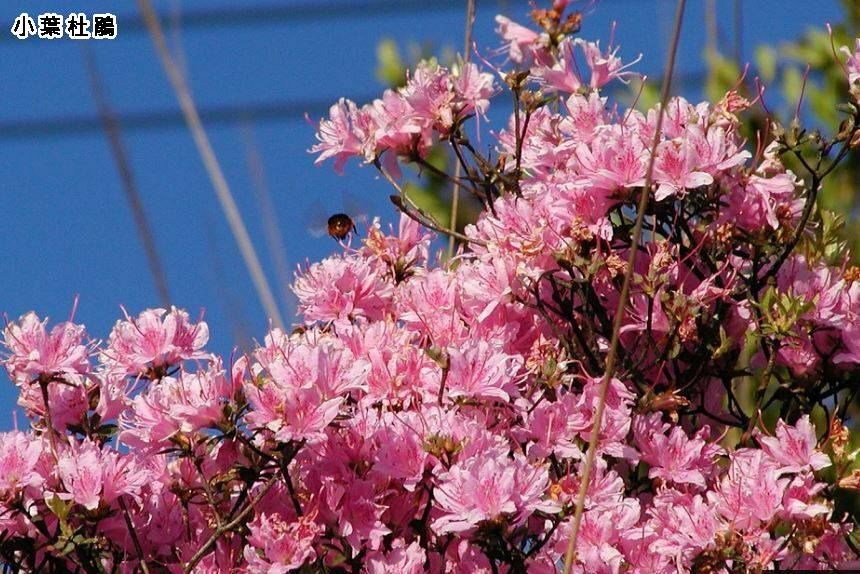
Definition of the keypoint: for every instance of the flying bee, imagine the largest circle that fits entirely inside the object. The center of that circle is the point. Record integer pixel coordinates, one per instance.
(340, 225)
(348, 216)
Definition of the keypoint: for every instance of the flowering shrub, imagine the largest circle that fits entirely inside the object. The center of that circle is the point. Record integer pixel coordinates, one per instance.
(432, 417)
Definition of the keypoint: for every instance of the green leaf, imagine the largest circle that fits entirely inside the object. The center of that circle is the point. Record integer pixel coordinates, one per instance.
(766, 59)
(390, 68)
(430, 202)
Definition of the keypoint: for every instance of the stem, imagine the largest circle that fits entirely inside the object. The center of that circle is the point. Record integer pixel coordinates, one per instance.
(401, 200)
(133, 534)
(455, 198)
(625, 292)
(224, 528)
(43, 384)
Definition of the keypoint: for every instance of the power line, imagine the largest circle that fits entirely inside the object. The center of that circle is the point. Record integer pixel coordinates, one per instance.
(227, 114)
(166, 118)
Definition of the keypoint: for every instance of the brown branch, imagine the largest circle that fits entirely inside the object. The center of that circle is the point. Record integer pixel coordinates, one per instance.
(455, 198)
(403, 202)
(227, 527)
(134, 538)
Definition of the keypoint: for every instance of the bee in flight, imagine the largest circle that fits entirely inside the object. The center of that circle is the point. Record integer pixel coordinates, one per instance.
(340, 225)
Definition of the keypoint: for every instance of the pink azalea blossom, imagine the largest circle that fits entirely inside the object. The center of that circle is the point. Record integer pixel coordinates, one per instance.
(752, 491)
(291, 413)
(675, 170)
(604, 67)
(400, 560)
(277, 546)
(19, 454)
(186, 403)
(794, 448)
(342, 289)
(92, 476)
(489, 490)
(675, 458)
(155, 339)
(340, 136)
(852, 63)
(480, 371)
(521, 42)
(35, 351)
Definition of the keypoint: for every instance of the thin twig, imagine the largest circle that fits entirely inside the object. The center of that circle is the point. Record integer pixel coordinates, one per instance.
(224, 528)
(43, 385)
(404, 202)
(213, 168)
(625, 292)
(455, 198)
(134, 538)
(113, 130)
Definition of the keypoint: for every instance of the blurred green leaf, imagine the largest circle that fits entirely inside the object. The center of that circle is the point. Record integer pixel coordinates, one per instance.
(766, 60)
(390, 68)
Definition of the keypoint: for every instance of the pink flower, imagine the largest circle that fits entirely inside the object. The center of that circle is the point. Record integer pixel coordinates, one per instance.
(562, 75)
(852, 63)
(401, 252)
(19, 454)
(93, 475)
(340, 137)
(401, 455)
(675, 458)
(554, 428)
(67, 399)
(683, 524)
(35, 351)
(394, 127)
(600, 536)
(186, 404)
(851, 343)
(430, 95)
(342, 288)
(675, 170)
(290, 412)
(489, 489)
(321, 362)
(154, 341)
(481, 371)
(521, 42)
(604, 67)
(473, 88)
(358, 515)
(278, 546)
(751, 492)
(799, 500)
(399, 560)
(794, 448)
(613, 162)
(616, 419)
(761, 202)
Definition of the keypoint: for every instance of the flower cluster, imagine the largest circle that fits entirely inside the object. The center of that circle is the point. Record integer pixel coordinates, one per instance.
(435, 417)
(407, 120)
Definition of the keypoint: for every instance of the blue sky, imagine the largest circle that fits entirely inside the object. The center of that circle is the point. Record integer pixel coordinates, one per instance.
(66, 227)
